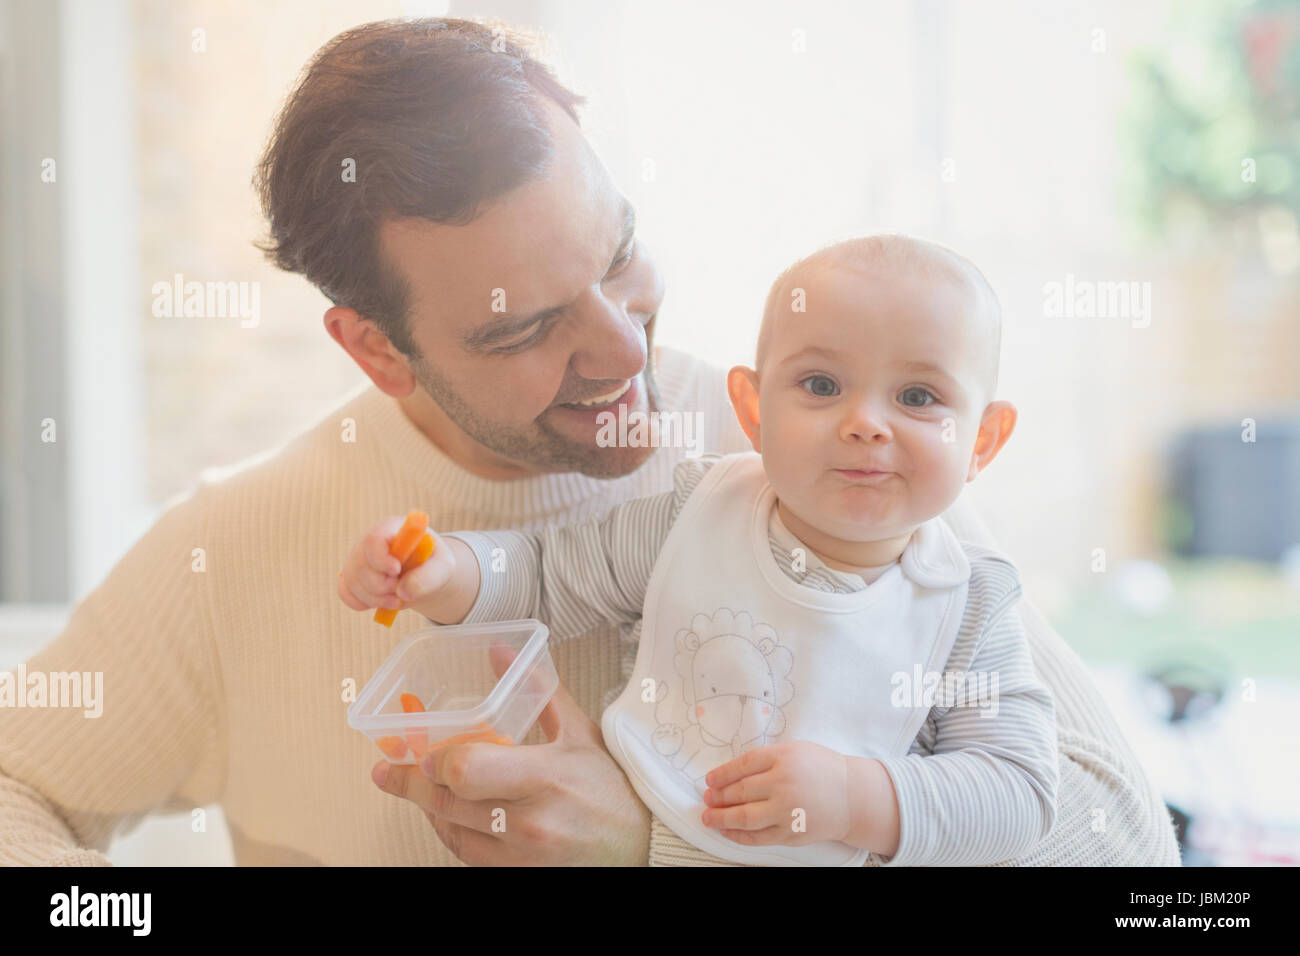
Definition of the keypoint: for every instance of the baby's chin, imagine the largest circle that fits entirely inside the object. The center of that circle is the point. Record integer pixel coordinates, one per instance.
(852, 527)
(860, 532)
(861, 525)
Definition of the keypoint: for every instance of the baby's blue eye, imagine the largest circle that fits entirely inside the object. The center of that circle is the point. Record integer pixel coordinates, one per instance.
(914, 389)
(820, 390)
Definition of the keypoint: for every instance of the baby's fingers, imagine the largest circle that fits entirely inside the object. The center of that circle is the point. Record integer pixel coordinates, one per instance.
(745, 790)
(350, 599)
(429, 577)
(367, 584)
(364, 597)
(374, 546)
(750, 762)
(747, 816)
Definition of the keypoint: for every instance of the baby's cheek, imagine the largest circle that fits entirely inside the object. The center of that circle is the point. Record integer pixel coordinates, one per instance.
(943, 468)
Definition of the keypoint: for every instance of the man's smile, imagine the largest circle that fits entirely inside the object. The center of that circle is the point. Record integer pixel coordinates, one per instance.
(599, 401)
(587, 416)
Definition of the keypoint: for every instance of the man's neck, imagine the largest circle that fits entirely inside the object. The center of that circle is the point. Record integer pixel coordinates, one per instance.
(426, 415)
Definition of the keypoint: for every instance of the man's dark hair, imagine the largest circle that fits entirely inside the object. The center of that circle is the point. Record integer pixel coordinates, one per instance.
(440, 116)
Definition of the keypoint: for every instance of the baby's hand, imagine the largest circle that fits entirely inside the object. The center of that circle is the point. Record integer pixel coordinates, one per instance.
(754, 798)
(371, 577)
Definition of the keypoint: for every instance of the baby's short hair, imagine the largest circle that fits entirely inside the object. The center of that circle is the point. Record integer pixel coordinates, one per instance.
(869, 255)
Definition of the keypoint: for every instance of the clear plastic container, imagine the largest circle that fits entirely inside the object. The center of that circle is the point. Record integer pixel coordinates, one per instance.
(454, 672)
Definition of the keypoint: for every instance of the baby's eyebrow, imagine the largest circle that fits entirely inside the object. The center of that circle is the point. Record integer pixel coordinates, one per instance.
(914, 366)
(811, 350)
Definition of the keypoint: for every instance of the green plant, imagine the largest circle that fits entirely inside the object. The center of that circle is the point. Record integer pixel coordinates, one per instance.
(1214, 124)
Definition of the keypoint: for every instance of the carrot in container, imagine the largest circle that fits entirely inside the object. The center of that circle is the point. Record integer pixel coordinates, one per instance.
(417, 739)
(479, 733)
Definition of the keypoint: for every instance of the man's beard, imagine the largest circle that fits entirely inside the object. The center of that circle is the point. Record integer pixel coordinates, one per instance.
(539, 446)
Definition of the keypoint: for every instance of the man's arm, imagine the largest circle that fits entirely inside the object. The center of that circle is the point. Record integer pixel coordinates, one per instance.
(69, 781)
(1108, 813)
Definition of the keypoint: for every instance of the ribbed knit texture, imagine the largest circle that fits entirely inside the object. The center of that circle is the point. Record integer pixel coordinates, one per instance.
(225, 685)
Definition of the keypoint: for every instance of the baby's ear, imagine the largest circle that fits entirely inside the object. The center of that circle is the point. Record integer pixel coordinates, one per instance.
(996, 426)
(742, 386)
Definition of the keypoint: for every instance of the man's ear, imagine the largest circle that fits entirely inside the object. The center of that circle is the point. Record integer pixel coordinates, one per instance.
(370, 349)
(742, 386)
(996, 426)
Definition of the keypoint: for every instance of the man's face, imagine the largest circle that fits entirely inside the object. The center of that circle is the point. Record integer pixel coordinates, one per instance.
(545, 300)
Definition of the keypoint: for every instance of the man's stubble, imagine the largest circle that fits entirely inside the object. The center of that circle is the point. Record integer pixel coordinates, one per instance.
(540, 447)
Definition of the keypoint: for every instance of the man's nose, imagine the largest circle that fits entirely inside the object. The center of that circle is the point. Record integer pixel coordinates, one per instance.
(612, 343)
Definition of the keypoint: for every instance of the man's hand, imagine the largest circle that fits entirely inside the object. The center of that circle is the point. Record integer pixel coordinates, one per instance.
(561, 803)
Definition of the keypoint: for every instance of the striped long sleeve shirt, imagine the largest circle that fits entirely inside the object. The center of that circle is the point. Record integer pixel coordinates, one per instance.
(978, 784)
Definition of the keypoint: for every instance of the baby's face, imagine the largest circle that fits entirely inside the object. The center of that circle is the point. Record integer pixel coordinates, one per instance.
(870, 401)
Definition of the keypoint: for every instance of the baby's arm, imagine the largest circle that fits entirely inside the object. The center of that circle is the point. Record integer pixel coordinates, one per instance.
(988, 791)
(987, 794)
(578, 576)
(574, 577)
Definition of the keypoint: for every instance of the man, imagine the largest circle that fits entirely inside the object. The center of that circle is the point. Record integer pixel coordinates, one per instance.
(431, 178)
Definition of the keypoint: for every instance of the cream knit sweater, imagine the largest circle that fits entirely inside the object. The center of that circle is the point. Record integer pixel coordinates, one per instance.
(224, 668)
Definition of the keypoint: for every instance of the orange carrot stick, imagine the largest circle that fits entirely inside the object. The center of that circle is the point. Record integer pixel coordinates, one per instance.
(471, 737)
(386, 615)
(411, 546)
(423, 548)
(417, 739)
(394, 748)
(408, 535)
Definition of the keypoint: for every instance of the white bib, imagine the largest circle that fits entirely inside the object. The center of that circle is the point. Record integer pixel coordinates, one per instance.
(734, 655)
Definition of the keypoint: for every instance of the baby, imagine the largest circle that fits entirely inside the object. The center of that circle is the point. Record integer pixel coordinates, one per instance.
(822, 670)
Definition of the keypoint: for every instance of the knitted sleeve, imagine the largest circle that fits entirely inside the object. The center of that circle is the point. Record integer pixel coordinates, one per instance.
(128, 721)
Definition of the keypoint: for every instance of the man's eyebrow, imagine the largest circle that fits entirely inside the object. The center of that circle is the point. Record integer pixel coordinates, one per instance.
(508, 324)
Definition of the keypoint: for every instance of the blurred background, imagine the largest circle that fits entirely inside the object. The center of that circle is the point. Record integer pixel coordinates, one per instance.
(1126, 175)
